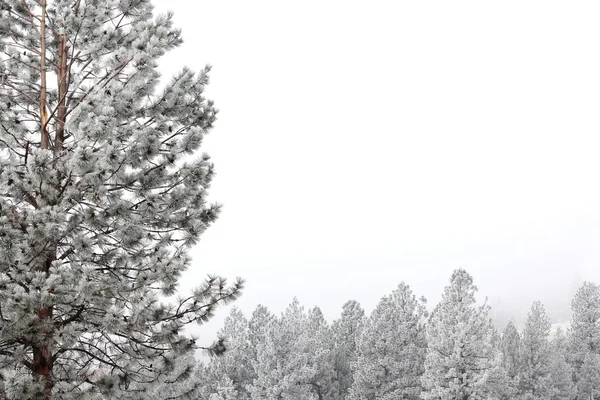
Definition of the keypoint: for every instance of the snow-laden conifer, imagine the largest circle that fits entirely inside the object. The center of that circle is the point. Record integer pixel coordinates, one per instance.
(182, 383)
(510, 347)
(101, 196)
(588, 385)
(224, 390)
(235, 362)
(346, 331)
(259, 327)
(391, 349)
(460, 355)
(561, 373)
(293, 357)
(319, 348)
(534, 377)
(584, 338)
(282, 365)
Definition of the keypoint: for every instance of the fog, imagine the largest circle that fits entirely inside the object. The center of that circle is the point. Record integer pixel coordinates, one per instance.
(361, 144)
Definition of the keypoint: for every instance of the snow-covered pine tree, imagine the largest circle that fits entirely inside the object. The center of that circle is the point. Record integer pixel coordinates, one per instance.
(584, 338)
(319, 349)
(561, 373)
(510, 347)
(100, 198)
(588, 386)
(235, 363)
(224, 390)
(460, 355)
(391, 350)
(346, 331)
(534, 376)
(183, 382)
(293, 357)
(282, 364)
(258, 327)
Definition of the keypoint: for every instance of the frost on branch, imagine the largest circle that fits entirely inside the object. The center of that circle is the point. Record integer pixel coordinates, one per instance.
(102, 193)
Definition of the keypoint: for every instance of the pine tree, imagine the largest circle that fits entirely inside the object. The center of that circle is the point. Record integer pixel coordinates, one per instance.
(507, 373)
(283, 366)
(460, 355)
(235, 362)
(510, 347)
(224, 390)
(318, 342)
(100, 198)
(534, 377)
(584, 338)
(294, 357)
(260, 330)
(588, 386)
(391, 349)
(561, 373)
(346, 331)
(182, 383)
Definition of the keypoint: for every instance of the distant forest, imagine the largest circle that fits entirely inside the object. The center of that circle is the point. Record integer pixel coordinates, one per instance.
(401, 351)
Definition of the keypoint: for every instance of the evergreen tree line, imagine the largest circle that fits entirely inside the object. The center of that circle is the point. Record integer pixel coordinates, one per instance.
(403, 352)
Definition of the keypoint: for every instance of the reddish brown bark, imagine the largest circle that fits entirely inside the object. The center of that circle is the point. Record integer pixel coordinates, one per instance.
(42, 357)
(62, 75)
(42, 351)
(43, 107)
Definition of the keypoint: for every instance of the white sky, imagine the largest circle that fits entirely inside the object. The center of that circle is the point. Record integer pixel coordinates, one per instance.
(360, 144)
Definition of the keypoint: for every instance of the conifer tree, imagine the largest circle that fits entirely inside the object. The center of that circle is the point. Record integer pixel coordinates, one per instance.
(534, 376)
(346, 331)
(183, 382)
(561, 373)
(391, 349)
(588, 386)
(282, 365)
(258, 328)
(510, 347)
(235, 362)
(100, 198)
(318, 342)
(584, 338)
(460, 355)
(224, 390)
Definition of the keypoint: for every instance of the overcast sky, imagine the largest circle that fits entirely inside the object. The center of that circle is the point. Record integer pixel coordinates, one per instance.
(363, 143)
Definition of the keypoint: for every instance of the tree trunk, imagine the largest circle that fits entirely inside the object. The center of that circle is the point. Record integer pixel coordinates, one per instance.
(41, 366)
(63, 85)
(42, 351)
(42, 359)
(43, 107)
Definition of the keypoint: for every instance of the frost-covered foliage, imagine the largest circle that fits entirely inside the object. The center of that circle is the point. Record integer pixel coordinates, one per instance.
(510, 346)
(294, 361)
(223, 389)
(298, 357)
(101, 197)
(235, 362)
(346, 331)
(584, 339)
(561, 373)
(536, 357)
(320, 351)
(460, 356)
(181, 382)
(391, 350)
